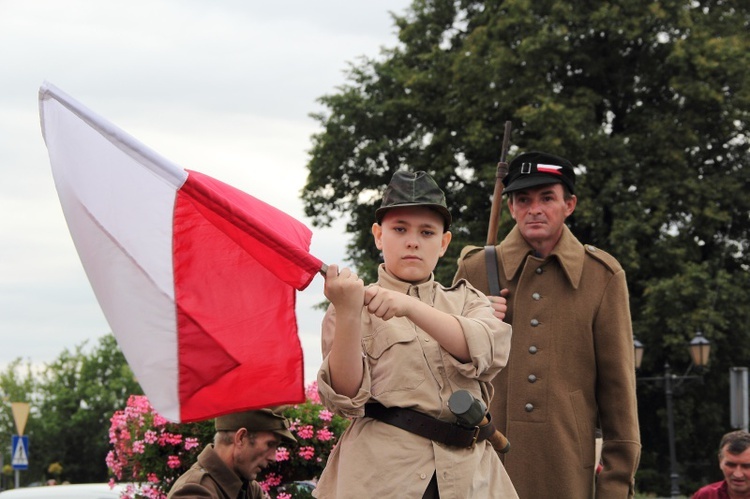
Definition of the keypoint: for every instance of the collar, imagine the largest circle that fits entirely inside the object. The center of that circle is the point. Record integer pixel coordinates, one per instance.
(387, 281)
(220, 472)
(569, 252)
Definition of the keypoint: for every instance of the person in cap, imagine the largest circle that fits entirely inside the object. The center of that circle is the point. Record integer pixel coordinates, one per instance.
(396, 350)
(734, 462)
(244, 444)
(571, 369)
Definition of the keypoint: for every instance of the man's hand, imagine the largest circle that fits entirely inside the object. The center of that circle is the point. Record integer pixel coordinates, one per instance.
(500, 303)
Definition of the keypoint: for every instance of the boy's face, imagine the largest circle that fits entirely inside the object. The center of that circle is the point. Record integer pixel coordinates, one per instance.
(412, 240)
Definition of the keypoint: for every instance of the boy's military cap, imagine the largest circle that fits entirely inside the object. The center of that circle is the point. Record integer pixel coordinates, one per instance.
(414, 189)
(533, 169)
(269, 419)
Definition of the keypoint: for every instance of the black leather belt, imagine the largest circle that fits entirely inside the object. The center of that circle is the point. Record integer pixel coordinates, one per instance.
(429, 427)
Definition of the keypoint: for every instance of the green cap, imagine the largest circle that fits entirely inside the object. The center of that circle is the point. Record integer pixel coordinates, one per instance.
(269, 419)
(414, 189)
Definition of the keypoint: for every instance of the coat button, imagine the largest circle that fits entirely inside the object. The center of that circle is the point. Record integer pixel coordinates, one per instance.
(422, 476)
(532, 349)
(536, 296)
(529, 407)
(532, 378)
(534, 323)
(539, 270)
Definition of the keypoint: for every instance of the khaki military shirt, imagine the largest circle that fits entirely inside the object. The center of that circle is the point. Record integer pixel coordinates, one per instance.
(405, 367)
(571, 369)
(210, 478)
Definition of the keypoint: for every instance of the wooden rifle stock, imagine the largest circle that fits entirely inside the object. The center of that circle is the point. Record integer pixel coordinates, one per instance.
(497, 196)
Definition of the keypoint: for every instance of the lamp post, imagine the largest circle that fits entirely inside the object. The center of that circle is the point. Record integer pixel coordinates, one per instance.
(700, 348)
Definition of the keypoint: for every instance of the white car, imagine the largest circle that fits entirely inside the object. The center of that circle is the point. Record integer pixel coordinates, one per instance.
(67, 491)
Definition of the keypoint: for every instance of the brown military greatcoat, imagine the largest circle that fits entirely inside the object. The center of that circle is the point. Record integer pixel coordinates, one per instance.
(570, 370)
(210, 478)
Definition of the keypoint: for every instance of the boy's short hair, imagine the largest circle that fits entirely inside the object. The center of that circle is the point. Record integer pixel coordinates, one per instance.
(414, 189)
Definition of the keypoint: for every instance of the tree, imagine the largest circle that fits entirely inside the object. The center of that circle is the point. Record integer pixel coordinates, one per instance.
(650, 100)
(76, 396)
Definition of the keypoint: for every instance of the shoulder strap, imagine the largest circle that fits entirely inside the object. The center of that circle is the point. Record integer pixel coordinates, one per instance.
(493, 277)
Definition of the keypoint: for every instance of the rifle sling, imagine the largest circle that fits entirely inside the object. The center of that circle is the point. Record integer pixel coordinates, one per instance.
(493, 275)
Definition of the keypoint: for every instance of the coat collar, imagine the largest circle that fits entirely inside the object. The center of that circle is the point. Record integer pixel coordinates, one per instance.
(569, 252)
(220, 472)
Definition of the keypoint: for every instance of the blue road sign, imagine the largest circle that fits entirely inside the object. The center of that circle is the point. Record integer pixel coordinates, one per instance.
(20, 459)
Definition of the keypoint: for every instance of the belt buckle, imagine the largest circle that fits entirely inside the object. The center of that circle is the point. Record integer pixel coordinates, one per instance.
(475, 437)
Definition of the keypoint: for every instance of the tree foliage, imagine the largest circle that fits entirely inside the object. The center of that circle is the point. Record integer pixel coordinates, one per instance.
(650, 99)
(72, 400)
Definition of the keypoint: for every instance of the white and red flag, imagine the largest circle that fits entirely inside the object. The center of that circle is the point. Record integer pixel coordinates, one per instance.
(553, 169)
(197, 279)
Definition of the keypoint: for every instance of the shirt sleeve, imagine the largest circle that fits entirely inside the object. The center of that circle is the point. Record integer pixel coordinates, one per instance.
(334, 402)
(487, 337)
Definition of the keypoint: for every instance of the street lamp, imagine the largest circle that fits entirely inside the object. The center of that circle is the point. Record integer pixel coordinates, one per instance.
(700, 348)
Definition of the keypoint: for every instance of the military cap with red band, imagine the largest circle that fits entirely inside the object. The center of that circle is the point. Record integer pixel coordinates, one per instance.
(534, 169)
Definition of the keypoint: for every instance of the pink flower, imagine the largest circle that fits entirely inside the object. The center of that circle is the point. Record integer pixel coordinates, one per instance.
(191, 443)
(169, 439)
(152, 492)
(139, 447)
(284, 495)
(324, 434)
(306, 452)
(150, 437)
(173, 462)
(272, 480)
(311, 392)
(282, 454)
(305, 432)
(325, 415)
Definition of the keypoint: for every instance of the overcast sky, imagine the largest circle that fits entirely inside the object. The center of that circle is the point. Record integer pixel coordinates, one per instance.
(224, 87)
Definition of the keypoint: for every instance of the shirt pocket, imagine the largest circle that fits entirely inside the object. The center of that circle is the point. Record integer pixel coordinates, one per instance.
(395, 357)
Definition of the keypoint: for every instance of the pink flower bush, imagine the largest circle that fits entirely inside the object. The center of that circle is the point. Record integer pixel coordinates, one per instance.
(150, 453)
(317, 431)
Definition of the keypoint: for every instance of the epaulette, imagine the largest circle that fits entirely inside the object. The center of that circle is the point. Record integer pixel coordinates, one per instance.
(469, 250)
(602, 256)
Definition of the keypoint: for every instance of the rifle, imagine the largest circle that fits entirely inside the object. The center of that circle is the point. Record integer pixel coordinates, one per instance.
(497, 196)
(490, 254)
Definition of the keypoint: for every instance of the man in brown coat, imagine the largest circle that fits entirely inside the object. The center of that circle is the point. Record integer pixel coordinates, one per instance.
(244, 443)
(571, 367)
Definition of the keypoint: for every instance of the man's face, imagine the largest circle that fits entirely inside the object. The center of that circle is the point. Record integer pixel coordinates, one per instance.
(412, 240)
(540, 213)
(255, 454)
(736, 469)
